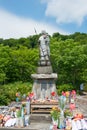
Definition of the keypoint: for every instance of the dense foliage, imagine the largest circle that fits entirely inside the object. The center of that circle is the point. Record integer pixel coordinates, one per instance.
(19, 58)
(8, 91)
(17, 64)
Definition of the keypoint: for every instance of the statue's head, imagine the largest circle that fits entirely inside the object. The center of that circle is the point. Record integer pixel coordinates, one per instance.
(43, 32)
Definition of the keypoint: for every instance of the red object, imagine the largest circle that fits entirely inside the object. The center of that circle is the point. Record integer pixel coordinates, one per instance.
(73, 92)
(63, 93)
(72, 106)
(53, 93)
(78, 117)
(31, 95)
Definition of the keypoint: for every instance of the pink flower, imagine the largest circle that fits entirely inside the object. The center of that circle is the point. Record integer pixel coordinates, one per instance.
(31, 95)
(63, 93)
(73, 92)
(72, 106)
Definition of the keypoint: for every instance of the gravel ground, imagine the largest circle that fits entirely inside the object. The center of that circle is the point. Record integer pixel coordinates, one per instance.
(81, 102)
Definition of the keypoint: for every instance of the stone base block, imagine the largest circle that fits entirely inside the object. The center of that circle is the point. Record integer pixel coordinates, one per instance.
(44, 70)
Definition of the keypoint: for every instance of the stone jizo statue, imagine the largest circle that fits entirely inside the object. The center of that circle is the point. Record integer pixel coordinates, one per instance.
(44, 46)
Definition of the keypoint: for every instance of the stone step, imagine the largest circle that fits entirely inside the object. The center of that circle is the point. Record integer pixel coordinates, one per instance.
(45, 118)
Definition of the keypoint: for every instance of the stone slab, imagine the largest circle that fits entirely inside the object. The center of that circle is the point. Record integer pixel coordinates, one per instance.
(41, 118)
(44, 76)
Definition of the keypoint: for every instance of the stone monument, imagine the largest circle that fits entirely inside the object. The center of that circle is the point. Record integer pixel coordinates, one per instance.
(44, 79)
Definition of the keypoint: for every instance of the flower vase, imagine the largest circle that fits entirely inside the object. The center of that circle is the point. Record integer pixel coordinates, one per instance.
(61, 120)
(55, 122)
(62, 112)
(17, 99)
(19, 122)
(22, 112)
(28, 107)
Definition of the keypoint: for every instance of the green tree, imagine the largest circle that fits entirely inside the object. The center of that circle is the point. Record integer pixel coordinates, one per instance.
(69, 61)
(4, 61)
(22, 64)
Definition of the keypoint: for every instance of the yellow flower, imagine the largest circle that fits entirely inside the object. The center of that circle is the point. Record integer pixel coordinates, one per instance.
(67, 93)
(55, 113)
(54, 108)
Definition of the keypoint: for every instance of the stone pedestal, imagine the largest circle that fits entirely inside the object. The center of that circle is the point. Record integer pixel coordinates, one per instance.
(44, 70)
(44, 85)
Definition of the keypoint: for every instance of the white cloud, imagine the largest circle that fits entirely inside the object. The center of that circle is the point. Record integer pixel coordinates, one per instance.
(12, 26)
(67, 11)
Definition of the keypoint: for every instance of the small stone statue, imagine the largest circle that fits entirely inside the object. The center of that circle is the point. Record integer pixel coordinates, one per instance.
(44, 42)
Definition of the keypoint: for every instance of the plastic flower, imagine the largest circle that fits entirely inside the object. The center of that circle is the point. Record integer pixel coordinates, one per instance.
(53, 93)
(63, 93)
(17, 94)
(54, 108)
(73, 93)
(67, 93)
(31, 95)
(67, 112)
(55, 113)
(28, 98)
(72, 106)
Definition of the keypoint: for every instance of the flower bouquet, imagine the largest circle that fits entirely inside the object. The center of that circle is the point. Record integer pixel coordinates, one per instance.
(55, 113)
(67, 95)
(68, 113)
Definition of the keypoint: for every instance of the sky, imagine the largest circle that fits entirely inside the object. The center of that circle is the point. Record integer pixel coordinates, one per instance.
(22, 18)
